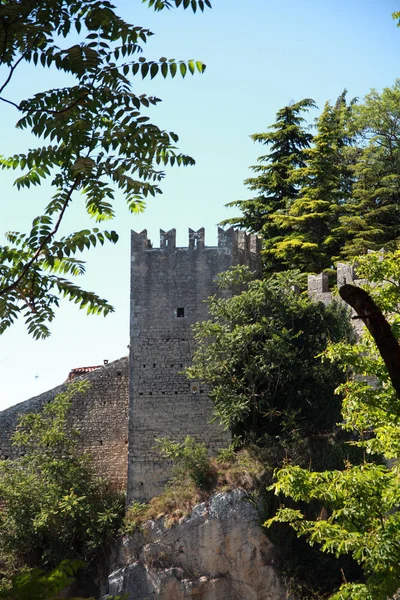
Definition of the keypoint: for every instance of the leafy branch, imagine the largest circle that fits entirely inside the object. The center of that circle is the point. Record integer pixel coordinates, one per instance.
(98, 141)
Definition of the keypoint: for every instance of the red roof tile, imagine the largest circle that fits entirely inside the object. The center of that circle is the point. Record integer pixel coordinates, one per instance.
(81, 371)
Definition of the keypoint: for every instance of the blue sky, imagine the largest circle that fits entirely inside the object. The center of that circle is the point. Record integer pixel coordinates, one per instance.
(260, 56)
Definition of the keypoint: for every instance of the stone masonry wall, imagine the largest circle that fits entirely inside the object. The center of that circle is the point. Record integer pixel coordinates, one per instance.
(168, 289)
(318, 289)
(101, 416)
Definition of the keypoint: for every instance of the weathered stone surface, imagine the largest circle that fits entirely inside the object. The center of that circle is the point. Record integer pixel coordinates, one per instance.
(318, 290)
(100, 415)
(219, 552)
(168, 289)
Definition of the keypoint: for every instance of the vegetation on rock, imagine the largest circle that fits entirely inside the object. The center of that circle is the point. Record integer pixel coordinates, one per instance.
(54, 507)
(195, 478)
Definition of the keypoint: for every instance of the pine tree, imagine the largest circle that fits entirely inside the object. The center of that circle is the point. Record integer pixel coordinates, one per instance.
(273, 182)
(311, 241)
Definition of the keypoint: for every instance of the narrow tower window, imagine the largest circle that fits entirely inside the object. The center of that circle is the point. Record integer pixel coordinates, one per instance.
(180, 312)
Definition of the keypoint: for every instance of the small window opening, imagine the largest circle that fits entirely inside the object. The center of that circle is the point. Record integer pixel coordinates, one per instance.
(180, 312)
(166, 243)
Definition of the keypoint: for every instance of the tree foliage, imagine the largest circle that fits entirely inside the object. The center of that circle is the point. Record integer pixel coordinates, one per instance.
(274, 180)
(36, 584)
(53, 505)
(372, 218)
(93, 142)
(311, 219)
(258, 352)
(330, 196)
(363, 501)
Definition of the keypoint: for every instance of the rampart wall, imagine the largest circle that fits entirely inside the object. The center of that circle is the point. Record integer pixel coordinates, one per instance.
(101, 416)
(318, 289)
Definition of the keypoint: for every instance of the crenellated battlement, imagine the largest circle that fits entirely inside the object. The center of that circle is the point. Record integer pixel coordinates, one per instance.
(346, 273)
(318, 285)
(232, 239)
(196, 238)
(140, 240)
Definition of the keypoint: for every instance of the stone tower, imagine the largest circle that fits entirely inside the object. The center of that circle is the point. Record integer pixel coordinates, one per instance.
(168, 286)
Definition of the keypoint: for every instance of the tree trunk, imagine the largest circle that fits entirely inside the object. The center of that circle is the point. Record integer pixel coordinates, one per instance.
(378, 327)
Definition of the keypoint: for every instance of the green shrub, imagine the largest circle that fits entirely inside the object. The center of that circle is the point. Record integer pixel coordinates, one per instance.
(54, 506)
(190, 458)
(36, 584)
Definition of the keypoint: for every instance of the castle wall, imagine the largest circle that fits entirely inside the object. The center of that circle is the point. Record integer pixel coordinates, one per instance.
(101, 416)
(132, 402)
(168, 289)
(345, 274)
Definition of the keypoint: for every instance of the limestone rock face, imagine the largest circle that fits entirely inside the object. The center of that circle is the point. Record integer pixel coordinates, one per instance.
(218, 553)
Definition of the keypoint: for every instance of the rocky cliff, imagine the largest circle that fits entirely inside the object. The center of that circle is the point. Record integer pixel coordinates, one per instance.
(219, 552)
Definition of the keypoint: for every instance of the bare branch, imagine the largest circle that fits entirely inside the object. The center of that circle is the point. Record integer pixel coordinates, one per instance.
(12, 69)
(10, 102)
